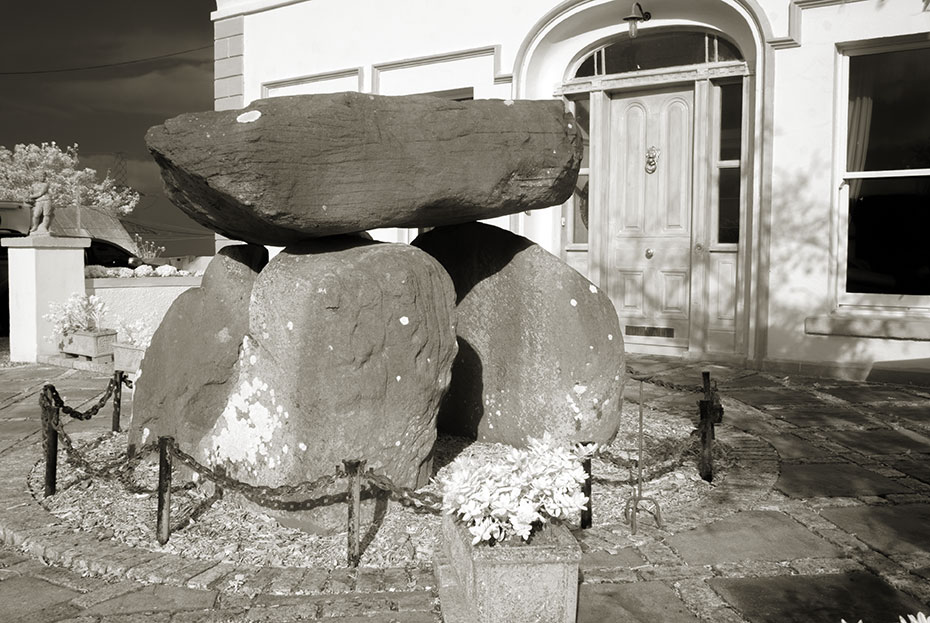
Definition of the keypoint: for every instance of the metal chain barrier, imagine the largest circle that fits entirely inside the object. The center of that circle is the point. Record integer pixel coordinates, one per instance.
(58, 403)
(425, 502)
(652, 380)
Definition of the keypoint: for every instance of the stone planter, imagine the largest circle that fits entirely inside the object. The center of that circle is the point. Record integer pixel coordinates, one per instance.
(92, 345)
(510, 582)
(127, 357)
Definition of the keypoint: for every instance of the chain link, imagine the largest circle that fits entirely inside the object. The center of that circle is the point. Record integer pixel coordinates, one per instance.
(58, 403)
(425, 502)
(652, 380)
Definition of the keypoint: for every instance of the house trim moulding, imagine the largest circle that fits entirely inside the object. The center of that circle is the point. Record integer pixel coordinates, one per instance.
(444, 57)
(877, 327)
(793, 38)
(268, 87)
(247, 7)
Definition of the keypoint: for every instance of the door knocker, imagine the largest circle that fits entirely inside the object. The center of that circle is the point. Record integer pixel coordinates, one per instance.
(652, 155)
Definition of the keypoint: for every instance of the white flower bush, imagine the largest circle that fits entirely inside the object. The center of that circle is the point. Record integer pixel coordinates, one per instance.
(95, 271)
(79, 313)
(920, 618)
(136, 333)
(525, 490)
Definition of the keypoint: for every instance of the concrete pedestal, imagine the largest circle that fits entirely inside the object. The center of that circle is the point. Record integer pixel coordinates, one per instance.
(43, 270)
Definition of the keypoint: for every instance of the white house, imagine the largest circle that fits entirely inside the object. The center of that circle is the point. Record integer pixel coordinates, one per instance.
(757, 179)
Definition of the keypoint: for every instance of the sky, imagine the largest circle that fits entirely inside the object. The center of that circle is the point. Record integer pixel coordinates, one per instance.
(107, 110)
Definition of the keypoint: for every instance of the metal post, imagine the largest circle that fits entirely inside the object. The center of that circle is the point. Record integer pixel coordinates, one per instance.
(586, 490)
(163, 522)
(117, 399)
(50, 431)
(706, 427)
(354, 470)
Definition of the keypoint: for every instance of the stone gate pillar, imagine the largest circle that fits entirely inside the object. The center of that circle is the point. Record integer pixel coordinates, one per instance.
(43, 270)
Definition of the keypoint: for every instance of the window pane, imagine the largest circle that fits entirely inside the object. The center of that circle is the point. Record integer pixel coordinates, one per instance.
(587, 67)
(580, 211)
(652, 51)
(888, 224)
(583, 118)
(731, 121)
(726, 51)
(728, 207)
(889, 115)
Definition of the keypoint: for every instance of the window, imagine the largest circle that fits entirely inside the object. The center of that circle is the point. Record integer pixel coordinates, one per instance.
(727, 163)
(886, 196)
(657, 50)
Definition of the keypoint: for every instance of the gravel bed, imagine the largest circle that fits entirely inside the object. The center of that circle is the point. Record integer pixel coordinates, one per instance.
(239, 534)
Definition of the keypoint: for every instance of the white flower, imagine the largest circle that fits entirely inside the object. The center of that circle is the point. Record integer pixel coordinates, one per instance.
(166, 270)
(525, 489)
(143, 271)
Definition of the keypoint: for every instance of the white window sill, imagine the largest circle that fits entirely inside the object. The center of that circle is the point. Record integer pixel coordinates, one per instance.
(879, 327)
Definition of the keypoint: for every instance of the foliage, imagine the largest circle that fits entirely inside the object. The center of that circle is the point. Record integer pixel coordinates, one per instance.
(518, 494)
(22, 167)
(920, 618)
(136, 333)
(95, 271)
(79, 313)
(147, 248)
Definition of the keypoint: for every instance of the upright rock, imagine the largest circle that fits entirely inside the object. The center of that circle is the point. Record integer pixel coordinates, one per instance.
(349, 353)
(540, 347)
(291, 168)
(191, 362)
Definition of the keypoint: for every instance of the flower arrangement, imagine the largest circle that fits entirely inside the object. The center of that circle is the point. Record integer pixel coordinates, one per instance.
(920, 618)
(137, 333)
(147, 248)
(94, 271)
(517, 495)
(79, 313)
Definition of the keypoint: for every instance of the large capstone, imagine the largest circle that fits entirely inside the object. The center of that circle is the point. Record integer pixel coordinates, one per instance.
(190, 365)
(540, 348)
(348, 356)
(291, 168)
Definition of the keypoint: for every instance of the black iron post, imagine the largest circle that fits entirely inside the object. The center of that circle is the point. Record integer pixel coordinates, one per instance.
(354, 469)
(117, 399)
(163, 522)
(50, 432)
(586, 490)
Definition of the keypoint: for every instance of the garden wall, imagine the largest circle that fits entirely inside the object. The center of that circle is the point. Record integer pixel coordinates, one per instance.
(146, 298)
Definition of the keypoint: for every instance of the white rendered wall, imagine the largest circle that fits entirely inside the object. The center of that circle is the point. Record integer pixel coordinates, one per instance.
(145, 298)
(805, 179)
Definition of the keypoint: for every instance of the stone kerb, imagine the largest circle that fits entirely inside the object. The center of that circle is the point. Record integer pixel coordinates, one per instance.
(42, 270)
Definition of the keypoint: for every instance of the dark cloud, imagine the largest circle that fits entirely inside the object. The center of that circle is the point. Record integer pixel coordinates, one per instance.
(107, 110)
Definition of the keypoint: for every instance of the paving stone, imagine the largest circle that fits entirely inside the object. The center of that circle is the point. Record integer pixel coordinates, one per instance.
(285, 581)
(774, 397)
(917, 469)
(886, 441)
(815, 599)
(900, 529)
(156, 598)
(640, 602)
(919, 416)
(791, 446)
(866, 393)
(751, 535)
(20, 595)
(820, 416)
(626, 558)
(833, 480)
(105, 593)
(611, 576)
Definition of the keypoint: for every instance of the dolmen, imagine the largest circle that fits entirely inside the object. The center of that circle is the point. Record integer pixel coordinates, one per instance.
(340, 347)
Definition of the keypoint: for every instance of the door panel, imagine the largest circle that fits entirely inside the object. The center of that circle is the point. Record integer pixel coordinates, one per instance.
(649, 215)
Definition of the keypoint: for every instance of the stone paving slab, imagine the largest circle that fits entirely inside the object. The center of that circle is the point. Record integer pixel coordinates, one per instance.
(882, 441)
(19, 596)
(751, 535)
(156, 598)
(778, 398)
(824, 598)
(791, 446)
(899, 529)
(642, 602)
(859, 394)
(915, 468)
(811, 480)
(820, 416)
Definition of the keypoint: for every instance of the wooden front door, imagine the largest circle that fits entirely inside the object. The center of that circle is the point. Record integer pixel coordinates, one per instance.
(649, 215)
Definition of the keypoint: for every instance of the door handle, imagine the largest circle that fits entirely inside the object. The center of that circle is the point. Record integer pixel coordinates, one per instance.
(650, 253)
(652, 157)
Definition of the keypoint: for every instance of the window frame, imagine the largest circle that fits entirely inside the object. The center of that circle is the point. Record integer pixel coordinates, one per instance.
(860, 300)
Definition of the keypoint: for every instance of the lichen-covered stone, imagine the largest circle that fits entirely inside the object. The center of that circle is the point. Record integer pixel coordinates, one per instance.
(349, 353)
(188, 367)
(291, 168)
(540, 347)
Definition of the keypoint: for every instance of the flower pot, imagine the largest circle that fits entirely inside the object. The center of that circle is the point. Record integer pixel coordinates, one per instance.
(94, 345)
(127, 357)
(512, 581)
